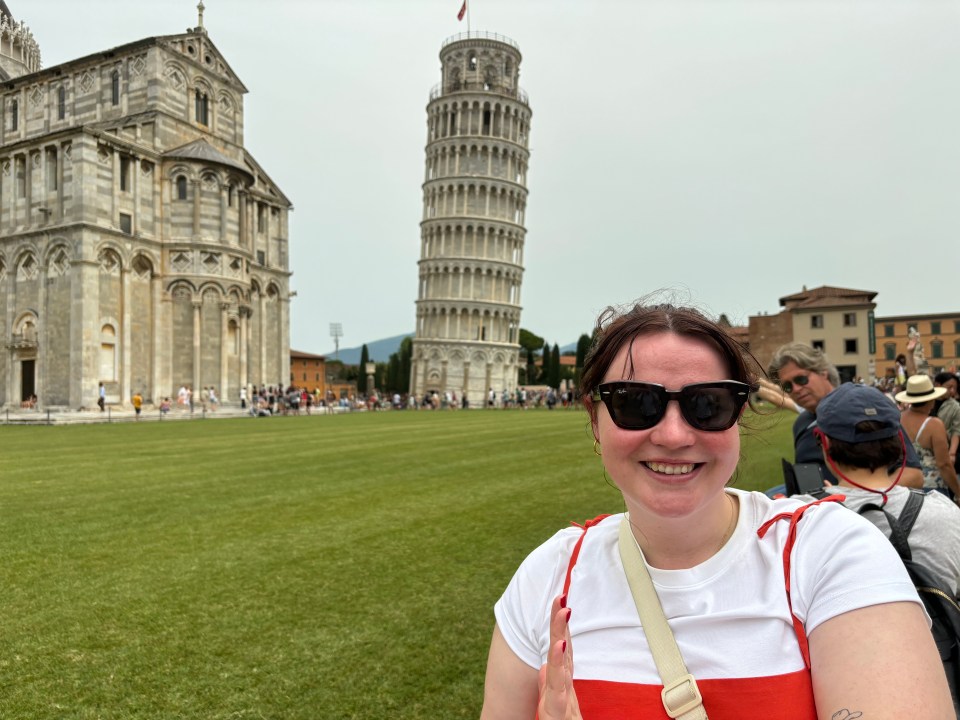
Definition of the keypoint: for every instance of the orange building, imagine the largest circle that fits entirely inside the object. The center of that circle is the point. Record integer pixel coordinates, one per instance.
(939, 336)
(309, 371)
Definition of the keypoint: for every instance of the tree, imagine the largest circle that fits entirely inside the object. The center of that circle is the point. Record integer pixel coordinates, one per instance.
(362, 380)
(583, 346)
(397, 374)
(545, 364)
(553, 379)
(531, 343)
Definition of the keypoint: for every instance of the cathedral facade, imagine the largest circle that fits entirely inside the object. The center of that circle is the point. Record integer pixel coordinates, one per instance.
(141, 246)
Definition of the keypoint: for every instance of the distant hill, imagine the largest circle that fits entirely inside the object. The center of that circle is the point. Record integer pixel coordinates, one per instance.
(379, 350)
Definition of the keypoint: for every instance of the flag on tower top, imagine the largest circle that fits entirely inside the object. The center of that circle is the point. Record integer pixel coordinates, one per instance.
(463, 10)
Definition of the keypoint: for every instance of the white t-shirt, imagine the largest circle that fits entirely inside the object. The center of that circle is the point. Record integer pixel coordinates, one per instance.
(730, 614)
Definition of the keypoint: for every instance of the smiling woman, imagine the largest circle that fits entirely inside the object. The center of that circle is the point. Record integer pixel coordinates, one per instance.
(664, 388)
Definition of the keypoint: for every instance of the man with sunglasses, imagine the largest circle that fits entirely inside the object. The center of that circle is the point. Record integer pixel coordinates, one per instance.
(807, 376)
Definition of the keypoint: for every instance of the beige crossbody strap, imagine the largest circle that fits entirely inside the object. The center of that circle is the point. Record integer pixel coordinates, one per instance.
(681, 696)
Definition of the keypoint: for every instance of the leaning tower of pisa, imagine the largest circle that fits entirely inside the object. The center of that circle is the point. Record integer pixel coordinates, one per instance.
(472, 233)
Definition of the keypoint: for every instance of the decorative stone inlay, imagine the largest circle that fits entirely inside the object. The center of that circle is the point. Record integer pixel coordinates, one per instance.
(142, 267)
(211, 261)
(181, 293)
(36, 97)
(3, 271)
(175, 78)
(210, 183)
(68, 153)
(109, 263)
(138, 65)
(146, 168)
(225, 104)
(59, 265)
(86, 81)
(6, 168)
(103, 157)
(35, 160)
(28, 268)
(236, 267)
(181, 262)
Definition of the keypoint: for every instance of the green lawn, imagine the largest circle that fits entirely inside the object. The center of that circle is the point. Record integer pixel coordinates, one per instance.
(289, 568)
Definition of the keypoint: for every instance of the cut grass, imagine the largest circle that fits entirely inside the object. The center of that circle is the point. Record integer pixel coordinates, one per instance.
(291, 568)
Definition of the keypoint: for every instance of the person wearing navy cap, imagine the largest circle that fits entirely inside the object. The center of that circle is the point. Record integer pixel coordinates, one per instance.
(859, 432)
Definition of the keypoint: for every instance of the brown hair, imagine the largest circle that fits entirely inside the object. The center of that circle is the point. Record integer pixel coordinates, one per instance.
(617, 327)
(871, 454)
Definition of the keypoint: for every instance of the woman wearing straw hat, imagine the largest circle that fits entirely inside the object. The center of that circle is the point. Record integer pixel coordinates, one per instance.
(928, 434)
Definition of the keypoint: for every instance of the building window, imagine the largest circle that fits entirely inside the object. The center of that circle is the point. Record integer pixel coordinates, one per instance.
(126, 224)
(818, 345)
(935, 328)
(849, 319)
(304, 377)
(473, 62)
(816, 321)
(936, 349)
(261, 217)
(888, 330)
(52, 171)
(229, 195)
(181, 187)
(20, 168)
(850, 346)
(956, 326)
(61, 103)
(956, 348)
(202, 108)
(124, 173)
(14, 114)
(115, 87)
(890, 351)
(261, 258)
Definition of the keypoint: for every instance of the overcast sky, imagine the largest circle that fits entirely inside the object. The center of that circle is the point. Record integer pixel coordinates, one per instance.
(735, 150)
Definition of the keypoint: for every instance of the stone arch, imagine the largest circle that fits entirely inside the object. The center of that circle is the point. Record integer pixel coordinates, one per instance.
(58, 258)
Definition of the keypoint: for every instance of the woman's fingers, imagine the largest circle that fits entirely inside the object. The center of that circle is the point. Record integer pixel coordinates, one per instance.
(558, 701)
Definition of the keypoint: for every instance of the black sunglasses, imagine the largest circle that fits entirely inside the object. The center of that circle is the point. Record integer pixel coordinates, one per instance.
(799, 381)
(710, 406)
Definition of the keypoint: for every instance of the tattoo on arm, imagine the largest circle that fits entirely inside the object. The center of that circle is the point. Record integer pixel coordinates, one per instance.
(846, 715)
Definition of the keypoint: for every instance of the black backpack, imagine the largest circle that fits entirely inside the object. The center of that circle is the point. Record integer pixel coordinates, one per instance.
(940, 602)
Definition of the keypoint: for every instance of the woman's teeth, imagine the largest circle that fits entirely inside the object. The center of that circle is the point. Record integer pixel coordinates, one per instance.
(670, 469)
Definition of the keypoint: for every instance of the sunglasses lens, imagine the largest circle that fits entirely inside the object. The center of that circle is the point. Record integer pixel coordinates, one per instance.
(635, 407)
(711, 408)
(798, 381)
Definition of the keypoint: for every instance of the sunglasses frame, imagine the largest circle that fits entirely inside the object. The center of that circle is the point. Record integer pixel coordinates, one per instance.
(788, 385)
(739, 394)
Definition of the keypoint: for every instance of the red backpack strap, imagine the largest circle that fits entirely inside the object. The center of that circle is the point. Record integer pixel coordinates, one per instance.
(576, 548)
(794, 518)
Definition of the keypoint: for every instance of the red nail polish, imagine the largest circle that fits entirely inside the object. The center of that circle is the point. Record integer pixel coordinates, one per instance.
(569, 613)
(563, 600)
(564, 648)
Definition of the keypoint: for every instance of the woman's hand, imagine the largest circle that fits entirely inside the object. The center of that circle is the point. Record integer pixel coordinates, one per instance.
(558, 700)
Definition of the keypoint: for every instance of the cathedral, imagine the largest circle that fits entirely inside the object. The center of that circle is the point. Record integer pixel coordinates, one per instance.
(141, 246)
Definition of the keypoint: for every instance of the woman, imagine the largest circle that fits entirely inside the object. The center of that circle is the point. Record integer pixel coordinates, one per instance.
(664, 388)
(928, 434)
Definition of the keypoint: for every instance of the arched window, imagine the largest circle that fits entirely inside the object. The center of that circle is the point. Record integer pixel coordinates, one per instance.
(61, 103)
(202, 108)
(115, 87)
(181, 187)
(14, 114)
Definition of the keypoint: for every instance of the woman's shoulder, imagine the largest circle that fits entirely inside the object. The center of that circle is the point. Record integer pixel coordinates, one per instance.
(827, 515)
